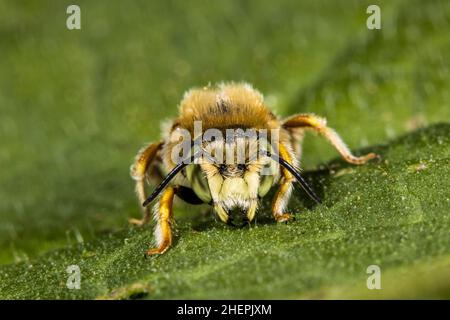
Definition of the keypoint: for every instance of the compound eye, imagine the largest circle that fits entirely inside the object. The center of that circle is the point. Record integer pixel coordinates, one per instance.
(198, 182)
(241, 167)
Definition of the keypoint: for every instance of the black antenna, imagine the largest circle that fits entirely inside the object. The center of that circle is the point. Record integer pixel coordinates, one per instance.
(171, 175)
(164, 183)
(297, 176)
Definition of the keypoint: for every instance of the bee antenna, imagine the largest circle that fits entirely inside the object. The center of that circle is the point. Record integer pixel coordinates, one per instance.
(170, 176)
(164, 183)
(305, 186)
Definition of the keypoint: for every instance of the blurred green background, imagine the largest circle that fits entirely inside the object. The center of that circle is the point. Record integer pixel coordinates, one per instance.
(76, 106)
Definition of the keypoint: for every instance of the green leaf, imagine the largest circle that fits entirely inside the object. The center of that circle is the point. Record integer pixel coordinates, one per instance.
(392, 213)
(76, 106)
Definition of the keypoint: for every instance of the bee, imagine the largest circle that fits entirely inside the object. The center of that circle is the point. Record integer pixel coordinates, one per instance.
(230, 110)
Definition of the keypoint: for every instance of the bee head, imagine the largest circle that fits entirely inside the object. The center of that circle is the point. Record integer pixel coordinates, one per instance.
(232, 173)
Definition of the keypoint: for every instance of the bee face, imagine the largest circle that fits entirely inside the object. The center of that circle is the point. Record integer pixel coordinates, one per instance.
(233, 176)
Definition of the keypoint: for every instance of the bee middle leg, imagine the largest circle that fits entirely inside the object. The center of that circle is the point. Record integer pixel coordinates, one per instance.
(138, 172)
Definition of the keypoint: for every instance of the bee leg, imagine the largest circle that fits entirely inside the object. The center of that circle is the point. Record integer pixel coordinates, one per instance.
(163, 215)
(311, 121)
(297, 134)
(280, 201)
(138, 171)
(284, 192)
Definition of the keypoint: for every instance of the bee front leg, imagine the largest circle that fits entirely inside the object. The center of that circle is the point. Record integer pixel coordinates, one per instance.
(163, 215)
(138, 171)
(284, 192)
(281, 199)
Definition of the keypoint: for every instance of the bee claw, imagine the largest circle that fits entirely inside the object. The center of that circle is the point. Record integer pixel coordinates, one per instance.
(285, 217)
(138, 222)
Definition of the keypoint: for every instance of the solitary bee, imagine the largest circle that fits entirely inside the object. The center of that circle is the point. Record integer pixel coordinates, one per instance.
(238, 182)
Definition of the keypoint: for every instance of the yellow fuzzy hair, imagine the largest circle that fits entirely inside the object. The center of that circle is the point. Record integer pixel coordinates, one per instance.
(225, 106)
